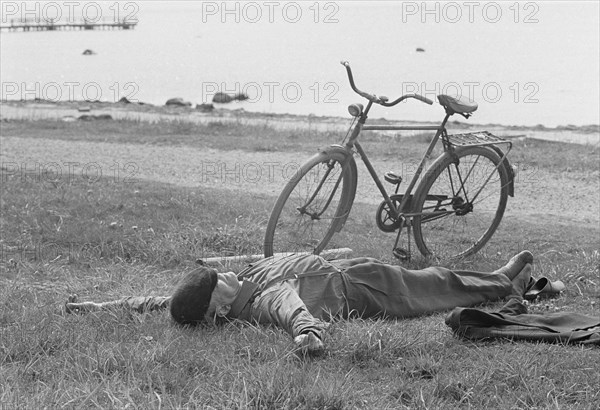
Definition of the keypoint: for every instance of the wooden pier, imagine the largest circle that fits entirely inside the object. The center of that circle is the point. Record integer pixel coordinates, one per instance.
(51, 25)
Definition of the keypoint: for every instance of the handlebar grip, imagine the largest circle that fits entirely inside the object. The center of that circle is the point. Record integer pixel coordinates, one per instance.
(424, 99)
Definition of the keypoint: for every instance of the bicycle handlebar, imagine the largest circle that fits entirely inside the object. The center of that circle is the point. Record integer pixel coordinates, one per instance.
(381, 100)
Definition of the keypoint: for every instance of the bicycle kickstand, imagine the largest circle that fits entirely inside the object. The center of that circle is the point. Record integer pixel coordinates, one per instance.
(401, 253)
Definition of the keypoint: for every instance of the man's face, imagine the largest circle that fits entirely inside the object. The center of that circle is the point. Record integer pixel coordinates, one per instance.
(225, 292)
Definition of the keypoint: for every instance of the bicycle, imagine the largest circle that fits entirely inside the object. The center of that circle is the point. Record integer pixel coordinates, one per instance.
(454, 211)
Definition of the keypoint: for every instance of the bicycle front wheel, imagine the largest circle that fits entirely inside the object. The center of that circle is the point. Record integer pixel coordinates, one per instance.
(460, 203)
(313, 205)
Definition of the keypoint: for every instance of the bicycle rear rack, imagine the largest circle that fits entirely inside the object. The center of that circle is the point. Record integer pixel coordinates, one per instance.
(484, 139)
(480, 138)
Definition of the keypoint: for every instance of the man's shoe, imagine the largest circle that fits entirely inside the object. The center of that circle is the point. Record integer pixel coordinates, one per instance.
(515, 264)
(544, 287)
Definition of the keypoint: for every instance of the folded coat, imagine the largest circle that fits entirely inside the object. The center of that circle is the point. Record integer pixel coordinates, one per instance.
(513, 322)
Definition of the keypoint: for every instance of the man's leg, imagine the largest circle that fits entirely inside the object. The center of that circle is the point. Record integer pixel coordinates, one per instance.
(374, 287)
(515, 305)
(516, 264)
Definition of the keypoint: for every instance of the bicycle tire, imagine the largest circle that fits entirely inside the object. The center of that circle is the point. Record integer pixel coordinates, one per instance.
(292, 228)
(451, 223)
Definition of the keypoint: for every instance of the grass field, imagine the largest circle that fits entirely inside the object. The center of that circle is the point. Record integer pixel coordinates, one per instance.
(106, 238)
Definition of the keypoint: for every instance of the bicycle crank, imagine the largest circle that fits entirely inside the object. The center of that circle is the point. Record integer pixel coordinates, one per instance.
(385, 218)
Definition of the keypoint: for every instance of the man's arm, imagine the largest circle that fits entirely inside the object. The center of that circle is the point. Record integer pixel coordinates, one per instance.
(281, 305)
(136, 303)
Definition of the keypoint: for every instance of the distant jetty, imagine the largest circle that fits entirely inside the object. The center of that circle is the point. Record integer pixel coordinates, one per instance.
(51, 25)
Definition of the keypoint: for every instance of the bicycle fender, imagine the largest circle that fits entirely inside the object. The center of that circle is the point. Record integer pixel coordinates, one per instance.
(340, 149)
(335, 148)
(509, 171)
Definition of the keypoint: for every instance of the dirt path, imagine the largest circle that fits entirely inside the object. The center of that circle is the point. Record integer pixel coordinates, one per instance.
(540, 195)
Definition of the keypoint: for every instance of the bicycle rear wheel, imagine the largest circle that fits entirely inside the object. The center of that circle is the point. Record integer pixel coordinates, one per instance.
(460, 203)
(313, 205)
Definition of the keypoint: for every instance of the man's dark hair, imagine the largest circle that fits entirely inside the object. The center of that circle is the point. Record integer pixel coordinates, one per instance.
(191, 297)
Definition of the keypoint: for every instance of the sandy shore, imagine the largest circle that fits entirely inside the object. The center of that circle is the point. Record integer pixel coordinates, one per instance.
(145, 112)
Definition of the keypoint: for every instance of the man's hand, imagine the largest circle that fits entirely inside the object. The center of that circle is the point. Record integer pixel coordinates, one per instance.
(309, 344)
(72, 306)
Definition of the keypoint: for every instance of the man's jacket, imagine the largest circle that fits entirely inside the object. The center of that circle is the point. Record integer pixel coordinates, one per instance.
(298, 293)
(301, 292)
(513, 322)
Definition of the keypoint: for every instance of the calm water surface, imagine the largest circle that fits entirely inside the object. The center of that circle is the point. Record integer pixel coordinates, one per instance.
(525, 63)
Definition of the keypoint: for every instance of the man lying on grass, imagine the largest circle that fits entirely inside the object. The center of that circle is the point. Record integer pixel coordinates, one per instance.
(301, 292)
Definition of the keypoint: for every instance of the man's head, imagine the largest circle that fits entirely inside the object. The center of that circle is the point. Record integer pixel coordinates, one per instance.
(203, 294)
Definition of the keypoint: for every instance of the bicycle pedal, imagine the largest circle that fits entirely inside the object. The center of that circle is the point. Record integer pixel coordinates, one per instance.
(401, 254)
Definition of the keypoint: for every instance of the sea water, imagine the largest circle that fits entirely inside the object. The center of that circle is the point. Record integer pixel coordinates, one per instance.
(525, 63)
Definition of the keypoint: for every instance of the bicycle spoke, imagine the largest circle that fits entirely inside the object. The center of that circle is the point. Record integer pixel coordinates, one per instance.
(331, 196)
(464, 222)
(312, 208)
(318, 188)
(494, 172)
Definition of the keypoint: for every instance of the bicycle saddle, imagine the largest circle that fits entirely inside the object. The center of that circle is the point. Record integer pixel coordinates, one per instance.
(460, 105)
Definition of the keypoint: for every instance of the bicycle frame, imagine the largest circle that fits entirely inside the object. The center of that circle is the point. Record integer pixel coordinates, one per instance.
(353, 142)
(462, 161)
